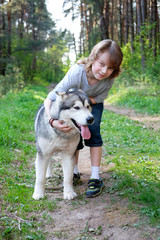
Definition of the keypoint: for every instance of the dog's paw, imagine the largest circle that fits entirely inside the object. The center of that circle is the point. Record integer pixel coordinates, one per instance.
(69, 195)
(37, 196)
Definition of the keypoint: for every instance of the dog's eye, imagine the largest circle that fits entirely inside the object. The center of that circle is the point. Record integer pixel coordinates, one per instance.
(76, 107)
(88, 107)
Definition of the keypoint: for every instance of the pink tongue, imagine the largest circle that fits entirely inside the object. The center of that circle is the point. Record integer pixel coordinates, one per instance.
(85, 132)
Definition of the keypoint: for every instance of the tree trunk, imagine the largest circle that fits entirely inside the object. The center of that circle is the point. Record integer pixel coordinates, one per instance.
(106, 17)
(126, 23)
(139, 17)
(102, 21)
(120, 23)
(2, 41)
(9, 29)
(123, 20)
(143, 9)
(154, 4)
(90, 29)
(115, 20)
(112, 25)
(131, 23)
(82, 31)
(86, 25)
(21, 24)
(74, 45)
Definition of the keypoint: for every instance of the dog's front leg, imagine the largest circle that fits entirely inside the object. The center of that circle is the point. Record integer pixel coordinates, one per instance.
(49, 169)
(41, 167)
(68, 166)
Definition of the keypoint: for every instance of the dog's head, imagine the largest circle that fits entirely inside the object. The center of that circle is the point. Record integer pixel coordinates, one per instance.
(75, 109)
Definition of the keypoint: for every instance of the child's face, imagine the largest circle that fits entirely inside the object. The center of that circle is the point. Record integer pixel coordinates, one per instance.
(101, 68)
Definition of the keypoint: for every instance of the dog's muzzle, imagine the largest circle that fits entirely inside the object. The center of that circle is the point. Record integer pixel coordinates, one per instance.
(83, 129)
(90, 120)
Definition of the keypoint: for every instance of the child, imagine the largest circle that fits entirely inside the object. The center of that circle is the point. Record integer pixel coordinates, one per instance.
(95, 76)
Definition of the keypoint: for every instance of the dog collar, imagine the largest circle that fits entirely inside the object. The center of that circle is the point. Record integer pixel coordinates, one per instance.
(51, 120)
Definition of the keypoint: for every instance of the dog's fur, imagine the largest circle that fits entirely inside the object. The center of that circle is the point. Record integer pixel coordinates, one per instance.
(72, 107)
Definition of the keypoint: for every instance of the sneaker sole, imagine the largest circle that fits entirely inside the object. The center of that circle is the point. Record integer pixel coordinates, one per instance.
(95, 195)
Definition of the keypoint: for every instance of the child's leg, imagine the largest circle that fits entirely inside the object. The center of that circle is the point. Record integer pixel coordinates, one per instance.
(95, 142)
(95, 184)
(96, 154)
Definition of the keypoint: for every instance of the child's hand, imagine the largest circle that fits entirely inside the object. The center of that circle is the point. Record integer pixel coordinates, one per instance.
(60, 125)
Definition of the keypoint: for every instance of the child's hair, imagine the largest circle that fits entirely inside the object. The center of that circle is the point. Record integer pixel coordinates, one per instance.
(112, 48)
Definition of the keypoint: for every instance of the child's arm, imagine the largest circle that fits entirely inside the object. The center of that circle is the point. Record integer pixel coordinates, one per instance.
(92, 100)
(56, 123)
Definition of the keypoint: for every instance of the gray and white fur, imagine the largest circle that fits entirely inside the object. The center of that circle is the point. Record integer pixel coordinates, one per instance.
(74, 108)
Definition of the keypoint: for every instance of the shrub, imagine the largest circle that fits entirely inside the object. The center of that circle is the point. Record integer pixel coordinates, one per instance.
(132, 70)
(13, 79)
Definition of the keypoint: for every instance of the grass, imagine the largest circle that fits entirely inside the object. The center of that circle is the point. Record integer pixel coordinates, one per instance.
(136, 154)
(90, 233)
(133, 149)
(144, 98)
(17, 152)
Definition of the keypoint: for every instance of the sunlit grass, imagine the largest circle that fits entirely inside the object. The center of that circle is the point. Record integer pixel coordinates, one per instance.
(144, 99)
(132, 148)
(17, 153)
(136, 154)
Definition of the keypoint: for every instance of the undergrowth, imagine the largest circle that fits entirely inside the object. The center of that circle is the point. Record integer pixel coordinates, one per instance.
(133, 148)
(17, 153)
(135, 152)
(142, 98)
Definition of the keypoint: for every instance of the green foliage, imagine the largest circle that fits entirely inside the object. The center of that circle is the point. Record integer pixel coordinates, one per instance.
(94, 37)
(45, 66)
(132, 148)
(132, 71)
(37, 48)
(13, 79)
(135, 152)
(17, 113)
(50, 67)
(20, 228)
(144, 98)
(17, 153)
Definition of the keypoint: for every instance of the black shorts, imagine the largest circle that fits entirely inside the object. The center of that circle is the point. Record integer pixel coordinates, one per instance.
(96, 139)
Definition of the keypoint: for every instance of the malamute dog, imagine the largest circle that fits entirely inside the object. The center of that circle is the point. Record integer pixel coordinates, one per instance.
(74, 108)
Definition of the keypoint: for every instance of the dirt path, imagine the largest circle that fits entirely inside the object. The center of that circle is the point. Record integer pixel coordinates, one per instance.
(106, 217)
(148, 121)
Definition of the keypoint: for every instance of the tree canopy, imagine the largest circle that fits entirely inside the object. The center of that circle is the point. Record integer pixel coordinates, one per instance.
(32, 46)
(134, 24)
(30, 42)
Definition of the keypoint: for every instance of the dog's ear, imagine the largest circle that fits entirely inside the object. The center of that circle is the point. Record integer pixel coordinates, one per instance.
(61, 96)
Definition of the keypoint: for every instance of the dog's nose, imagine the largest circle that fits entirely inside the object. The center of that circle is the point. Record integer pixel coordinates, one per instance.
(90, 120)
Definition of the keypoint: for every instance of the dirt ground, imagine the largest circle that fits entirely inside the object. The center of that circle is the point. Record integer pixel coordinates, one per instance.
(147, 121)
(106, 217)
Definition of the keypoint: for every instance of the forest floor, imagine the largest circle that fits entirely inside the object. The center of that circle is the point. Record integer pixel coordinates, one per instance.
(106, 217)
